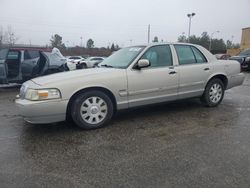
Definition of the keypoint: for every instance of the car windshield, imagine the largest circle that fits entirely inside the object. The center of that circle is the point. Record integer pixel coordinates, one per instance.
(123, 57)
(245, 52)
(3, 54)
(74, 58)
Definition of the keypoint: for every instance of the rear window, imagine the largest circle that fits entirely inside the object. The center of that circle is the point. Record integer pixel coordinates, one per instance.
(97, 59)
(189, 55)
(185, 54)
(74, 58)
(13, 55)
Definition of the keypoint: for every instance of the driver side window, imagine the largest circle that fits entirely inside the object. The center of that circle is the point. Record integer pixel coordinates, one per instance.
(159, 56)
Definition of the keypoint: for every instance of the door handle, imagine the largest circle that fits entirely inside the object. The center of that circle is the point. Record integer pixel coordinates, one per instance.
(206, 69)
(172, 72)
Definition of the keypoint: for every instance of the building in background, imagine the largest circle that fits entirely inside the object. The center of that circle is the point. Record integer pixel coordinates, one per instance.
(245, 38)
(245, 42)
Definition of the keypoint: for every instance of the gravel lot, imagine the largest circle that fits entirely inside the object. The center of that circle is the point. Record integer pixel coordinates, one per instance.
(181, 144)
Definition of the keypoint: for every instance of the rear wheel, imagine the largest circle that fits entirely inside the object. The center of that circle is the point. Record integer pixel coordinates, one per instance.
(92, 109)
(214, 93)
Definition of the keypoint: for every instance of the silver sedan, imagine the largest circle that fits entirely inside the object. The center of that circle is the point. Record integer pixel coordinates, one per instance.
(133, 76)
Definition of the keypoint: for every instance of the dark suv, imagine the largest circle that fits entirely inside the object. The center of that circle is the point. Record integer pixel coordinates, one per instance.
(244, 59)
(20, 64)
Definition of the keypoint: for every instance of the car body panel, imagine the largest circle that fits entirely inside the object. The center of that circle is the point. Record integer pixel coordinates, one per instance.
(193, 85)
(113, 80)
(135, 87)
(145, 88)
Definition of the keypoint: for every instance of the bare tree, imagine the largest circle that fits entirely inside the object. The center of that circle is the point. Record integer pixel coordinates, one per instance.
(1, 36)
(10, 37)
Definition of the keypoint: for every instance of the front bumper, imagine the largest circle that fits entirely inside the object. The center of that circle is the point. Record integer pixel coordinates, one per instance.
(42, 112)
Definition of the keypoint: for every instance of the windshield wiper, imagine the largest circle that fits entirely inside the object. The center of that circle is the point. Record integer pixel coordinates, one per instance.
(108, 66)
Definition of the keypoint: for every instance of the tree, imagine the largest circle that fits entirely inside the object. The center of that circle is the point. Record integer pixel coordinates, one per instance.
(117, 47)
(10, 37)
(182, 38)
(90, 43)
(229, 44)
(236, 46)
(1, 37)
(112, 47)
(155, 39)
(218, 45)
(56, 41)
(205, 40)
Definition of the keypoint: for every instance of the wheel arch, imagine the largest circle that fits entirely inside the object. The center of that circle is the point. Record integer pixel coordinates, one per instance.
(98, 88)
(220, 76)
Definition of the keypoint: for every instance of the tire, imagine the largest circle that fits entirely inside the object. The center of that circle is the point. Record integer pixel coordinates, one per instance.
(81, 66)
(92, 110)
(214, 93)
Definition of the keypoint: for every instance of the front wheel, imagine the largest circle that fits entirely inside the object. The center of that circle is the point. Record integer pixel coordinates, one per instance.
(214, 93)
(92, 109)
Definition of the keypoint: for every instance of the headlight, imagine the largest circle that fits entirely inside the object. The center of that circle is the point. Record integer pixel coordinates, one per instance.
(42, 94)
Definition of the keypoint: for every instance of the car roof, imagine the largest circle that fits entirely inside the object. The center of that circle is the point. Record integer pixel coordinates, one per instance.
(164, 43)
(31, 48)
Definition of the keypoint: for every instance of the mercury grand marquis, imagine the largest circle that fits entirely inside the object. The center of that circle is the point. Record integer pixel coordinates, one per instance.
(131, 77)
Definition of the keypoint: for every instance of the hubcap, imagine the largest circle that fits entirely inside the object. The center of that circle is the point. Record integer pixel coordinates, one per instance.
(215, 93)
(94, 110)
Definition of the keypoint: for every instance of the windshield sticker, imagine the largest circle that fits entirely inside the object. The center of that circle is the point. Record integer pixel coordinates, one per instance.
(134, 49)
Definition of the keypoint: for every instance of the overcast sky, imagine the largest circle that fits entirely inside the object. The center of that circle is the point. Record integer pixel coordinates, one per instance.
(123, 22)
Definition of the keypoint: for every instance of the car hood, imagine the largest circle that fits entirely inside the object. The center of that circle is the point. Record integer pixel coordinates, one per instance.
(238, 58)
(83, 74)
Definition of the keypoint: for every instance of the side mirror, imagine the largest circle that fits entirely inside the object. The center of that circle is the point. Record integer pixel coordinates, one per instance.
(142, 63)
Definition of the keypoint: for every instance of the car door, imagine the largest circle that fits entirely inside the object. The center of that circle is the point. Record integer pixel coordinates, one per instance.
(3, 66)
(156, 83)
(193, 70)
(13, 63)
(30, 61)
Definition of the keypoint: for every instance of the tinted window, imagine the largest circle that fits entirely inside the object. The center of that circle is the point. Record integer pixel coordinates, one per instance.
(185, 54)
(3, 53)
(198, 56)
(74, 58)
(31, 54)
(94, 59)
(13, 55)
(159, 56)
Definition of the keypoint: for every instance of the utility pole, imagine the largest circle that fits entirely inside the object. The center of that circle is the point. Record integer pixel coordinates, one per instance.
(81, 42)
(149, 33)
(210, 44)
(190, 16)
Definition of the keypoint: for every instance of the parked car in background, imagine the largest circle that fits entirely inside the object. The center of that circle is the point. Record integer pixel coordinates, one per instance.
(222, 56)
(75, 59)
(244, 59)
(89, 62)
(72, 61)
(133, 76)
(20, 64)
